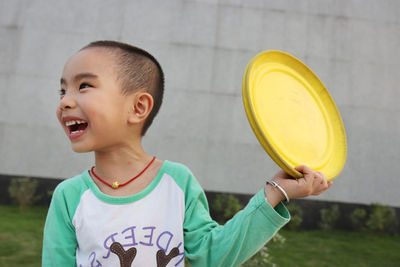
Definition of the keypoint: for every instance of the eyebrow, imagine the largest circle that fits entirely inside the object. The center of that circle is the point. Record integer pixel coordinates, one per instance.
(80, 76)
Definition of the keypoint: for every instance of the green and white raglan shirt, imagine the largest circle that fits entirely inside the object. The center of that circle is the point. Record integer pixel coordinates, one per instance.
(168, 220)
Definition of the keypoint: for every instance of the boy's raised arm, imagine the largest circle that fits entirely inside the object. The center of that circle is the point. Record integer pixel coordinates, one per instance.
(209, 244)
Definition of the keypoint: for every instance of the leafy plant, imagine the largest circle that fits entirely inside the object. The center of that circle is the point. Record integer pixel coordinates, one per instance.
(358, 219)
(187, 262)
(22, 191)
(262, 257)
(225, 206)
(50, 193)
(329, 217)
(382, 219)
(296, 214)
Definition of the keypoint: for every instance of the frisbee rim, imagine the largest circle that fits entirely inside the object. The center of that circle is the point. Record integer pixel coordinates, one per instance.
(263, 138)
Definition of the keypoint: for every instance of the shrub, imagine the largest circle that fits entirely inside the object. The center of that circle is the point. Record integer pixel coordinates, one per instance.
(358, 219)
(22, 191)
(296, 214)
(262, 257)
(329, 217)
(187, 264)
(382, 219)
(278, 238)
(225, 206)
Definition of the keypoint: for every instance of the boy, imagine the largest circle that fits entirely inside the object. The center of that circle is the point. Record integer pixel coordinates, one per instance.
(131, 209)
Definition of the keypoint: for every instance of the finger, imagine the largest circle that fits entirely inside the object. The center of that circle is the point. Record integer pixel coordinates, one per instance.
(322, 188)
(323, 180)
(320, 174)
(320, 178)
(308, 175)
(304, 169)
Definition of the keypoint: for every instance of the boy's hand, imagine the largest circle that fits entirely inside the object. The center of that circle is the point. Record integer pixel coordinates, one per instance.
(312, 183)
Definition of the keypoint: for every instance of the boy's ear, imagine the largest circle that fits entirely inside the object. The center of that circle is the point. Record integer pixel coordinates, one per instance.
(142, 104)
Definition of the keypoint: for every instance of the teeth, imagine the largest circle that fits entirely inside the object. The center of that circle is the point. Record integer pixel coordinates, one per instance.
(69, 123)
(75, 132)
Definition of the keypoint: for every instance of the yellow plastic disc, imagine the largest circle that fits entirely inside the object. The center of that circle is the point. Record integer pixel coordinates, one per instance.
(293, 115)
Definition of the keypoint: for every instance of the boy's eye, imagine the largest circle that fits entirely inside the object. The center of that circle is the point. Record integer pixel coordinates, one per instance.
(62, 92)
(84, 85)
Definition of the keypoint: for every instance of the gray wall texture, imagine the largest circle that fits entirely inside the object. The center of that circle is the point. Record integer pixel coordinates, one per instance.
(204, 46)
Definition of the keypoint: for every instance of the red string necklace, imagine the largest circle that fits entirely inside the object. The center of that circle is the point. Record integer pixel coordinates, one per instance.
(116, 184)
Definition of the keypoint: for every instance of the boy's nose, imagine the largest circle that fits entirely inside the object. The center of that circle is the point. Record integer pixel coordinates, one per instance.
(67, 101)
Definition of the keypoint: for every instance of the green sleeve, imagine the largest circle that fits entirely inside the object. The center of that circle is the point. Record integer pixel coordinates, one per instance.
(210, 244)
(59, 240)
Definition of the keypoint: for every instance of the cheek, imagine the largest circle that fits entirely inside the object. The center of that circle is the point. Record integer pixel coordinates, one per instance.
(58, 114)
(110, 111)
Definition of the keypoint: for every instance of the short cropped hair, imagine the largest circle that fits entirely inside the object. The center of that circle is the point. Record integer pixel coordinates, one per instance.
(136, 69)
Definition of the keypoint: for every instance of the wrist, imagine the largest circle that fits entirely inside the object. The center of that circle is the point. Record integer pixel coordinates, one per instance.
(273, 195)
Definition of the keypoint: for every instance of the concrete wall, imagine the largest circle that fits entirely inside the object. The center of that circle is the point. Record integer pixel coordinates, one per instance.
(204, 46)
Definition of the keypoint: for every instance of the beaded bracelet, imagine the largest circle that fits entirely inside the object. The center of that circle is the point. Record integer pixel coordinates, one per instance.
(274, 184)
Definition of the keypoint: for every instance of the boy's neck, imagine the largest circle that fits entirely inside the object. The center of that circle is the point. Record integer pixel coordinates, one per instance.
(120, 163)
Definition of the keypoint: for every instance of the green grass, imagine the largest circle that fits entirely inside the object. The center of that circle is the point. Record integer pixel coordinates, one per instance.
(21, 244)
(336, 248)
(21, 236)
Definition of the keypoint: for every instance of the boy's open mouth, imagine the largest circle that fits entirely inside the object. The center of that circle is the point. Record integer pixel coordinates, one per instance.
(76, 126)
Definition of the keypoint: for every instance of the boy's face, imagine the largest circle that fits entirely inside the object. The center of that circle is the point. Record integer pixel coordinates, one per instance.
(92, 109)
